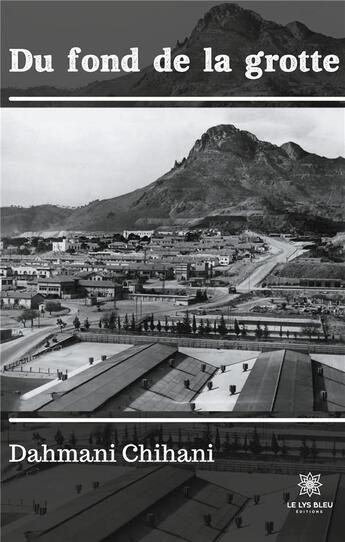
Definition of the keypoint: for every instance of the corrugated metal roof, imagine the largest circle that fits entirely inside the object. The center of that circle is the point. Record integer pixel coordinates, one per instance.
(119, 508)
(92, 394)
(280, 381)
(258, 393)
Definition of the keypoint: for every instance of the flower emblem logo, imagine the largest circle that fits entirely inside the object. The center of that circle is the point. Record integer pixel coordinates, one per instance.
(310, 484)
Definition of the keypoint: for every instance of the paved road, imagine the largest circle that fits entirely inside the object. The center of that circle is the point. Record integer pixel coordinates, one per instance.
(17, 348)
(282, 251)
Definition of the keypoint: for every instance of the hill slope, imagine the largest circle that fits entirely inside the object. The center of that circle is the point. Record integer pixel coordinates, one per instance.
(228, 176)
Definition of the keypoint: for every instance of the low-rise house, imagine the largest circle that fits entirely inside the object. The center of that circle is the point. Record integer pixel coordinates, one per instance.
(176, 299)
(7, 283)
(59, 286)
(101, 288)
(17, 299)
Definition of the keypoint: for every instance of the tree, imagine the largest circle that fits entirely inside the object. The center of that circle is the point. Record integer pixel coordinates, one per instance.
(255, 444)
(133, 323)
(112, 321)
(243, 331)
(187, 328)
(106, 322)
(236, 328)
(258, 332)
(217, 441)
(146, 324)
(274, 444)
(334, 449)
(215, 326)
(135, 439)
(222, 330)
(226, 444)
(207, 327)
(235, 444)
(118, 323)
(166, 325)
(152, 323)
(59, 438)
(284, 448)
(245, 443)
(194, 324)
(100, 323)
(76, 323)
(265, 332)
(201, 327)
(314, 450)
(27, 315)
(53, 306)
(304, 449)
(86, 324)
(170, 442)
(126, 324)
(106, 435)
(159, 326)
(179, 438)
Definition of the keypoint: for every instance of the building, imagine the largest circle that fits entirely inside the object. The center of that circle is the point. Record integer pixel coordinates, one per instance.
(101, 288)
(160, 297)
(182, 271)
(289, 381)
(224, 260)
(138, 233)
(305, 274)
(66, 244)
(7, 283)
(148, 377)
(25, 300)
(59, 286)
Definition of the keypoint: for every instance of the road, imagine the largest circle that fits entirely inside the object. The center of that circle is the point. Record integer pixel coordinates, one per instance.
(282, 251)
(13, 350)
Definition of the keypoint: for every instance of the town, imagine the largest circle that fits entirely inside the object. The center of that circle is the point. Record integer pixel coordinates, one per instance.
(181, 319)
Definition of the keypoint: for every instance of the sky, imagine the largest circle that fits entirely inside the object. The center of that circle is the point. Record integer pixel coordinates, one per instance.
(113, 27)
(71, 156)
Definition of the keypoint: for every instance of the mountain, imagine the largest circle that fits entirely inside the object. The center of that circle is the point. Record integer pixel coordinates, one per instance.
(228, 177)
(238, 32)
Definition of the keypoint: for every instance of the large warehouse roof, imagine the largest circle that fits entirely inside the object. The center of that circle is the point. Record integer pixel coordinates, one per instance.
(93, 387)
(280, 381)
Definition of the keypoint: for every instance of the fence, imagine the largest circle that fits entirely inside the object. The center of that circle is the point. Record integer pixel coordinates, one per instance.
(278, 467)
(193, 342)
(34, 353)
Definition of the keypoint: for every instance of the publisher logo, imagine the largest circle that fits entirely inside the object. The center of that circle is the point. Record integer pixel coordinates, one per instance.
(310, 484)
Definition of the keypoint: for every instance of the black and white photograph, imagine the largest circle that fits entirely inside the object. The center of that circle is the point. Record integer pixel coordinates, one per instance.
(173, 260)
(172, 271)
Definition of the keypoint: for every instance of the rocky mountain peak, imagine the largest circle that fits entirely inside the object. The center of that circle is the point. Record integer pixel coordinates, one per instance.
(294, 151)
(225, 138)
(298, 30)
(230, 16)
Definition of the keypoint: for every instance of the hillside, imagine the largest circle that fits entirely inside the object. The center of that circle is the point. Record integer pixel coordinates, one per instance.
(229, 177)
